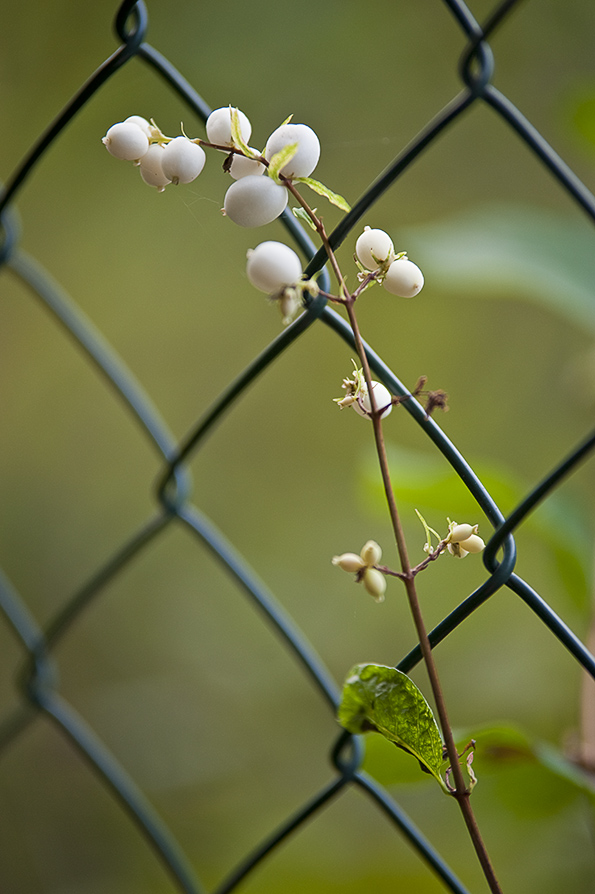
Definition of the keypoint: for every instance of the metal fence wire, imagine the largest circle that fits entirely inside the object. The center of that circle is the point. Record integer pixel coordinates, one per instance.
(38, 683)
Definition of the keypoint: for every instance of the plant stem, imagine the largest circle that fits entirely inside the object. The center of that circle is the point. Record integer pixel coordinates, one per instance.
(343, 291)
(461, 792)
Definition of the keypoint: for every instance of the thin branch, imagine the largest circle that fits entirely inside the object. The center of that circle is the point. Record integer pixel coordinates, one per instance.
(461, 792)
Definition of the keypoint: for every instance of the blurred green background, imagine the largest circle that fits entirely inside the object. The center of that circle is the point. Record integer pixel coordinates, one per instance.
(170, 665)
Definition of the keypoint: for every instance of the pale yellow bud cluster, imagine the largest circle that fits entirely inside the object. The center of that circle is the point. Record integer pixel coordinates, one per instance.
(363, 567)
(463, 539)
(460, 540)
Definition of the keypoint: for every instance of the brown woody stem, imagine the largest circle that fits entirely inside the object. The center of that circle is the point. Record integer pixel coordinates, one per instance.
(461, 792)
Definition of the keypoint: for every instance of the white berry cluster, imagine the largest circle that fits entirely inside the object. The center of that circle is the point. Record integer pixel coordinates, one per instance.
(161, 160)
(254, 200)
(376, 254)
(292, 151)
(258, 194)
(364, 568)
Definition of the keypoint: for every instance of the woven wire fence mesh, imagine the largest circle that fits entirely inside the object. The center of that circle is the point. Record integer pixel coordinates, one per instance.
(43, 630)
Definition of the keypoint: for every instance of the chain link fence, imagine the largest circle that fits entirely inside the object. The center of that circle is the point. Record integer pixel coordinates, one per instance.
(41, 694)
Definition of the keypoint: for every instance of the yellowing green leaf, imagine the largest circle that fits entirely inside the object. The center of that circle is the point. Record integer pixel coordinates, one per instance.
(280, 159)
(236, 135)
(302, 214)
(323, 190)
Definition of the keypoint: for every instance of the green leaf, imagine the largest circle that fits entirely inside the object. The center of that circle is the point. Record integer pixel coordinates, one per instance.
(236, 135)
(280, 159)
(535, 779)
(511, 251)
(382, 699)
(557, 763)
(582, 115)
(302, 214)
(323, 190)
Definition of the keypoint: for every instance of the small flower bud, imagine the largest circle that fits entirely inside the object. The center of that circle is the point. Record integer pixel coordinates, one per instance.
(473, 544)
(290, 305)
(349, 562)
(375, 583)
(461, 532)
(346, 401)
(371, 553)
(455, 549)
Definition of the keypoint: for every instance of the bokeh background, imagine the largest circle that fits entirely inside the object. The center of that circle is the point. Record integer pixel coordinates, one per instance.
(170, 665)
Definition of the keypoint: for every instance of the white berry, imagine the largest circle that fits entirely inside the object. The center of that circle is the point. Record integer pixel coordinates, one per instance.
(254, 201)
(140, 122)
(127, 141)
(272, 266)
(182, 160)
(308, 152)
(243, 167)
(404, 278)
(151, 167)
(382, 398)
(219, 127)
(373, 244)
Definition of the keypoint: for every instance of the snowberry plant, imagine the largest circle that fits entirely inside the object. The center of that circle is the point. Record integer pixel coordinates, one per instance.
(263, 183)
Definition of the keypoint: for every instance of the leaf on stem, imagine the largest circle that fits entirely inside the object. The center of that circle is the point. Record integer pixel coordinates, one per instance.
(382, 699)
(322, 190)
(280, 159)
(236, 135)
(302, 214)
